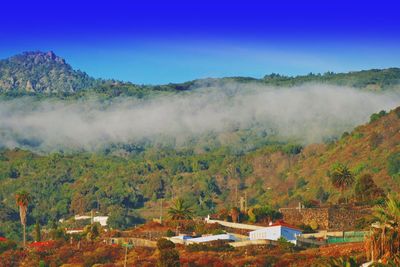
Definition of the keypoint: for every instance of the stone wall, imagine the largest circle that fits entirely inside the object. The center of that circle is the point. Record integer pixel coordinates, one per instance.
(327, 218)
(346, 218)
(307, 216)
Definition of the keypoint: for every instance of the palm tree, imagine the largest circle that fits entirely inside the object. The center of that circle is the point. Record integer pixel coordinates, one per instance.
(22, 199)
(341, 177)
(180, 210)
(384, 239)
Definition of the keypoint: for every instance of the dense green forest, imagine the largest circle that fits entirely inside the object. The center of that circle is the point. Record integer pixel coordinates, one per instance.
(63, 185)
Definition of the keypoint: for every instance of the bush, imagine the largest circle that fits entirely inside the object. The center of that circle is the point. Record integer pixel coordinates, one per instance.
(92, 231)
(394, 164)
(170, 233)
(366, 190)
(301, 182)
(169, 256)
(377, 116)
(122, 219)
(314, 225)
(7, 245)
(307, 229)
(100, 255)
(163, 243)
(321, 195)
(284, 244)
(217, 246)
(292, 149)
(375, 140)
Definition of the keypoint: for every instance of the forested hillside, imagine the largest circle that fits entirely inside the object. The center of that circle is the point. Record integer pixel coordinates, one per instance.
(274, 174)
(78, 144)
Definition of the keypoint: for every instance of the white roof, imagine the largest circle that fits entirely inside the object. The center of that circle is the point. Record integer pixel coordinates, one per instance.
(213, 238)
(275, 226)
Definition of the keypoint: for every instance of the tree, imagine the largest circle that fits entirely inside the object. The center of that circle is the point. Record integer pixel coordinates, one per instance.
(383, 243)
(285, 245)
(169, 256)
(266, 214)
(321, 195)
(366, 189)
(235, 213)
(341, 177)
(180, 210)
(122, 219)
(38, 236)
(377, 116)
(394, 164)
(22, 199)
(92, 231)
(252, 216)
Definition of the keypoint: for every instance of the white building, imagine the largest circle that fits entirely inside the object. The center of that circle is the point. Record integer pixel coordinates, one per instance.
(100, 219)
(276, 231)
(209, 238)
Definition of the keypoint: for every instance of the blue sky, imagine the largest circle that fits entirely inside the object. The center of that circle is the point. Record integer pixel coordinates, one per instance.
(174, 41)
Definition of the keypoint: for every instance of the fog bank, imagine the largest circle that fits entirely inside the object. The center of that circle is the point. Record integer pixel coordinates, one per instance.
(309, 113)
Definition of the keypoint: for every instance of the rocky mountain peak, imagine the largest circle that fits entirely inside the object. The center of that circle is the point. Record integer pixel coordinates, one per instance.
(38, 71)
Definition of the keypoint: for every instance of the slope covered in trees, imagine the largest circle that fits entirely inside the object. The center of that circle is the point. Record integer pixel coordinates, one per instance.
(209, 181)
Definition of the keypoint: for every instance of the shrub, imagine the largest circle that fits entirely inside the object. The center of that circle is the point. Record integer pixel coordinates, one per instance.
(100, 255)
(121, 218)
(292, 149)
(394, 164)
(92, 231)
(375, 140)
(170, 233)
(314, 225)
(217, 246)
(366, 189)
(169, 256)
(7, 245)
(284, 244)
(163, 243)
(377, 116)
(321, 195)
(301, 182)
(307, 229)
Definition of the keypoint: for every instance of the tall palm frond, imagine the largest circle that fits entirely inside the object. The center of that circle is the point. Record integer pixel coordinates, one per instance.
(384, 239)
(180, 210)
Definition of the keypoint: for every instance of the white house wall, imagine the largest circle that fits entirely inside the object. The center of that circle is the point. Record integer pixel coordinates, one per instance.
(274, 233)
(270, 233)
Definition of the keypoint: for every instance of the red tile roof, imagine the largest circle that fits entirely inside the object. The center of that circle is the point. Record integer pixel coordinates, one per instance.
(43, 244)
(3, 239)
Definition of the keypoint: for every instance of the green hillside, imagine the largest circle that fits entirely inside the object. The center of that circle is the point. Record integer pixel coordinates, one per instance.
(276, 174)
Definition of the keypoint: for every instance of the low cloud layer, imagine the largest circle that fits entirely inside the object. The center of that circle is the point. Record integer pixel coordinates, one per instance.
(309, 113)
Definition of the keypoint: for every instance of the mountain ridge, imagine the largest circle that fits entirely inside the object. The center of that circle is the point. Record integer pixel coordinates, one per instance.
(41, 72)
(46, 73)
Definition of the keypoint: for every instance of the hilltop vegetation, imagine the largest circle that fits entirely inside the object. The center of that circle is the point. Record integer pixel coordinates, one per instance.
(375, 79)
(45, 74)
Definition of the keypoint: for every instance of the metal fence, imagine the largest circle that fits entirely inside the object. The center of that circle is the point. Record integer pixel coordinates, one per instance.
(348, 237)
